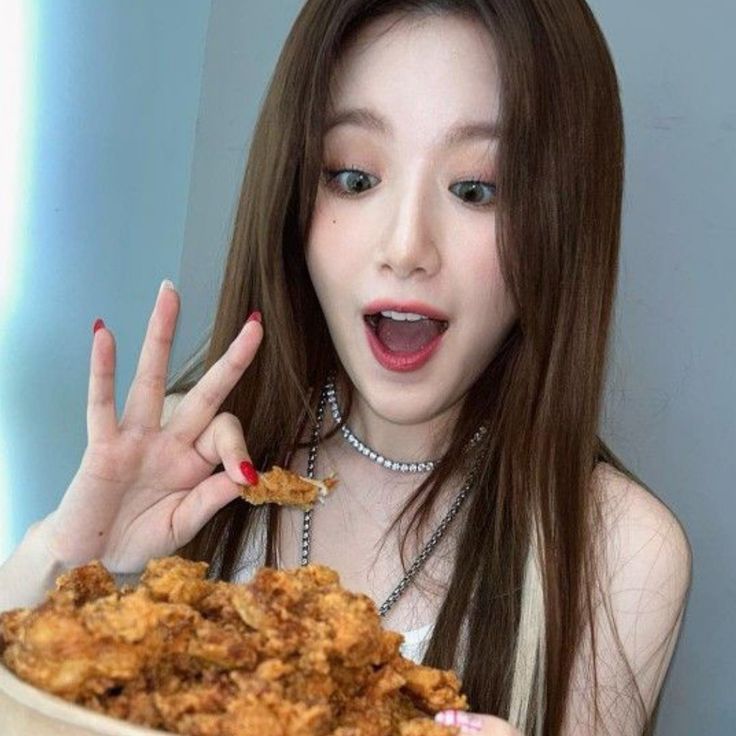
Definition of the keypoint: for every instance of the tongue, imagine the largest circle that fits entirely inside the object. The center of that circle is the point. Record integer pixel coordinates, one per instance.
(406, 337)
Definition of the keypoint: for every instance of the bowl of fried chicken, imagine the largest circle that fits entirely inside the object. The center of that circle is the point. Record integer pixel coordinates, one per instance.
(290, 653)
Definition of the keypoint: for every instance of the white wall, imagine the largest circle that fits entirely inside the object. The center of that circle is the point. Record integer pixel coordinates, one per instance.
(113, 93)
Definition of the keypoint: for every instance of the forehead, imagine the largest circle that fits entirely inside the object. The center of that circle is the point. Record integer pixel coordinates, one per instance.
(425, 78)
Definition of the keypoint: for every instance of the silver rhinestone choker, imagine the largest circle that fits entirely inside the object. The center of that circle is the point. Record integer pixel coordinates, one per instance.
(398, 465)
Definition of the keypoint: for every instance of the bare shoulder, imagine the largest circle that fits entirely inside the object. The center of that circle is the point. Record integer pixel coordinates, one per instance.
(641, 533)
(643, 585)
(646, 581)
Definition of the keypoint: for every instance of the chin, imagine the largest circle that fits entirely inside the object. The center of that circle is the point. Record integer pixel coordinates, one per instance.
(415, 403)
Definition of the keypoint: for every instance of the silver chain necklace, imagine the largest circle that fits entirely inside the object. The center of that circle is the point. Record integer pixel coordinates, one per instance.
(438, 533)
(401, 467)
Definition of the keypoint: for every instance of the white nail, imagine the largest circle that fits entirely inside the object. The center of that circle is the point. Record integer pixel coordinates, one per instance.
(165, 284)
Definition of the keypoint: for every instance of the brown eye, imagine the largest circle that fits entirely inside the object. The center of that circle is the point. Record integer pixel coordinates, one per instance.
(475, 192)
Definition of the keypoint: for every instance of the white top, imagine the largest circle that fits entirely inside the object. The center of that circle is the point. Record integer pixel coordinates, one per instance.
(416, 642)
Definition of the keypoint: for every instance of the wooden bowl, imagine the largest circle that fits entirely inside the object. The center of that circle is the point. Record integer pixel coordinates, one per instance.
(28, 711)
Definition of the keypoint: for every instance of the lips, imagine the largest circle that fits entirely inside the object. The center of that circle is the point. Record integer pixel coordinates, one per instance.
(395, 348)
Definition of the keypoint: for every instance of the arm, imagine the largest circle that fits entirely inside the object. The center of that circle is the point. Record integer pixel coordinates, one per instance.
(644, 590)
(29, 571)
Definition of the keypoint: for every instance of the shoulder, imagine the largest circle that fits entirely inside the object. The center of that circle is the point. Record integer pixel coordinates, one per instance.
(642, 536)
(644, 583)
(639, 595)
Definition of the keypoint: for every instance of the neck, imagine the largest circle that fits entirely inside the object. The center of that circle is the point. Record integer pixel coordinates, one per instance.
(412, 442)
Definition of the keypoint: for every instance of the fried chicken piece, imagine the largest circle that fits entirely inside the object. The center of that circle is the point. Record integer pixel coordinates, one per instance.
(306, 610)
(83, 584)
(423, 727)
(286, 488)
(433, 690)
(291, 653)
(11, 625)
(102, 643)
(224, 646)
(176, 580)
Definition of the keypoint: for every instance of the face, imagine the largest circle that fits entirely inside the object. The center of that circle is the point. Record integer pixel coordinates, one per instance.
(405, 213)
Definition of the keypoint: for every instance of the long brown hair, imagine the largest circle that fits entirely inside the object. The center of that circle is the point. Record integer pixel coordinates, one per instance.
(529, 541)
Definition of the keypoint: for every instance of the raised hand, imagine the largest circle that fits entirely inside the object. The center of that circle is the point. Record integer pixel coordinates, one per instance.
(142, 489)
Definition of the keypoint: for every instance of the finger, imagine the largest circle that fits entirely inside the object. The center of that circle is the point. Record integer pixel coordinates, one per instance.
(201, 504)
(146, 396)
(467, 722)
(223, 442)
(101, 419)
(200, 405)
(480, 724)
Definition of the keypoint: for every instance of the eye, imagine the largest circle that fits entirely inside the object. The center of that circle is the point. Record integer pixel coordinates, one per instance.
(349, 181)
(475, 192)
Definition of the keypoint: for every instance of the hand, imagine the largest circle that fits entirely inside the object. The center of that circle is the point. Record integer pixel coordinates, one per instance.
(477, 723)
(143, 490)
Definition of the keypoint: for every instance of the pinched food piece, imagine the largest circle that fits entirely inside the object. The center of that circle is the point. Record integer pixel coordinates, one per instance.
(290, 653)
(286, 488)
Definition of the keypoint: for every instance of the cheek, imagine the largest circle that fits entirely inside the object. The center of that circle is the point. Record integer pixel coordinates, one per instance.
(481, 268)
(327, 253)
(485, 294)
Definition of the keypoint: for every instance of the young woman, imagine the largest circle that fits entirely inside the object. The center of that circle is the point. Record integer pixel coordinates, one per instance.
(429, 228)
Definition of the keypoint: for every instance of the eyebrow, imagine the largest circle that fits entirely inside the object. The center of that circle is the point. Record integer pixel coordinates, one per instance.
(362, 117)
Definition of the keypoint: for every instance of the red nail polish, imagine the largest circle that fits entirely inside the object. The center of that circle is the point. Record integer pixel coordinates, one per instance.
(249, 473)
(99, 324)
(254, 315)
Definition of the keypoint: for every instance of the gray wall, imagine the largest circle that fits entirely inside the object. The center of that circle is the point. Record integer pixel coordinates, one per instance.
(243, 43)
(671, 409)
(671, 400)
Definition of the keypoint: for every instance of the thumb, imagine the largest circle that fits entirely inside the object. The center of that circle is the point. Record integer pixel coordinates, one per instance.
(223, 442)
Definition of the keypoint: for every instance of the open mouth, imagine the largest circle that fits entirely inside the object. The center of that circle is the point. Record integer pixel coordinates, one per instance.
(406, 335)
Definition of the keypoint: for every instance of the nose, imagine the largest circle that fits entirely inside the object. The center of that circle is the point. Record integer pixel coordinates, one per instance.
(409, 247)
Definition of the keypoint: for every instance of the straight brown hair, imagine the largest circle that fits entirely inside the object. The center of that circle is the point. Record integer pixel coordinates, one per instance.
(560, 179)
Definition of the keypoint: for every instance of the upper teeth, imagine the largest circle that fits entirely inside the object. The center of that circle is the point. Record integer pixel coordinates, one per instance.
(403, 316)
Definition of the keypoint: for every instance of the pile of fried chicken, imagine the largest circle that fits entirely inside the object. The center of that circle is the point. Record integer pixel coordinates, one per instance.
(289, 653)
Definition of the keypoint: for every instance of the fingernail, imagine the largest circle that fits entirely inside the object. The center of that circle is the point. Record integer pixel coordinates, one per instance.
(468, 723)
(98, 325)
(249, 473)
(254, 315)
(165, 284)
(446, 717)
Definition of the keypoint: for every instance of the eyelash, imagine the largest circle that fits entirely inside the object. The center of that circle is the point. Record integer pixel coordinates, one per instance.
(330, 176)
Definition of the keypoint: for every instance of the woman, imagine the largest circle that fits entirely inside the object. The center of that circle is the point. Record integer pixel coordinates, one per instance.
(429, 223)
